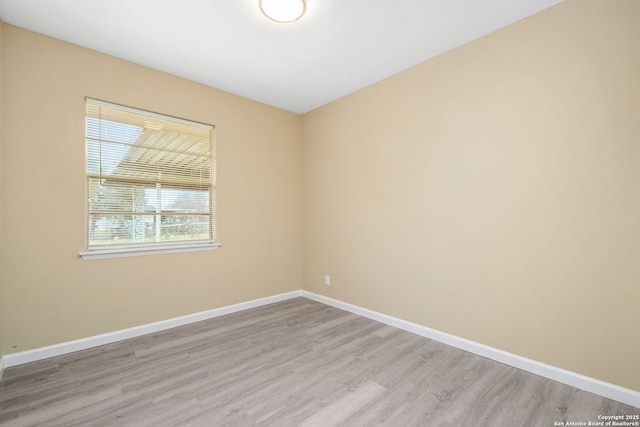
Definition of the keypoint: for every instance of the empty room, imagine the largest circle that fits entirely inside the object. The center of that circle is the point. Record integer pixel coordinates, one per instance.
(352, 213)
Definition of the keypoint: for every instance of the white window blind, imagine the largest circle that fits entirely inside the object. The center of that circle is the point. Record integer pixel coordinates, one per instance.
(150, 179)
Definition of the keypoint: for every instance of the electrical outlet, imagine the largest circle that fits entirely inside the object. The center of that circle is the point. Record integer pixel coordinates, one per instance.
(327, 280)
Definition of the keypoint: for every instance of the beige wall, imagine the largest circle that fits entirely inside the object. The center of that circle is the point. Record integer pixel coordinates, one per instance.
(494, 191)
(2, 281)
(51, 295)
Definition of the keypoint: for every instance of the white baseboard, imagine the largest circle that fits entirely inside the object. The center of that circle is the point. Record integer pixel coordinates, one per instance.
(14, 359)
(582, 382)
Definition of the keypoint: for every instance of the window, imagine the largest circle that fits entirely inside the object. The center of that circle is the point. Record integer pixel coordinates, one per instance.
(150, 181)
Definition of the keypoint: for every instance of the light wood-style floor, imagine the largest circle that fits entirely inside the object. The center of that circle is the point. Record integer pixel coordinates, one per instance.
(294, 363)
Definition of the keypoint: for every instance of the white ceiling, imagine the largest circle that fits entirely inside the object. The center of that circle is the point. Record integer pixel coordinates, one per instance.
(338, 47)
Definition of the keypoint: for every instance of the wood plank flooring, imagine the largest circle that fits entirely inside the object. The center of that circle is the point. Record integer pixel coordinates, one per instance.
(294, 363)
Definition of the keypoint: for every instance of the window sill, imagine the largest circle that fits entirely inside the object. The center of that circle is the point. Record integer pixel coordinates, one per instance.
(142, 251)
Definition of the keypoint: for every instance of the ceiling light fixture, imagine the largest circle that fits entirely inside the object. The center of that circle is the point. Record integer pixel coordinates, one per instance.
(283, 11)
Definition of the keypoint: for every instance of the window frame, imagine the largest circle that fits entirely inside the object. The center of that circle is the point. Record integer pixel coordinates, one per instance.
(150, 248)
